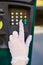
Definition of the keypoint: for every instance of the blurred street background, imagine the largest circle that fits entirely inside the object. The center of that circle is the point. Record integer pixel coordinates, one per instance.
(37, 52)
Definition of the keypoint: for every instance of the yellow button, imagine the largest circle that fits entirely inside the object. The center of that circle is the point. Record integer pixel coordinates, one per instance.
(1, 24)
(25, 16)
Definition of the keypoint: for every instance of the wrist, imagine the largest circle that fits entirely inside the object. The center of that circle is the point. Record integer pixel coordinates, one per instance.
(19, 62)
(21, 59)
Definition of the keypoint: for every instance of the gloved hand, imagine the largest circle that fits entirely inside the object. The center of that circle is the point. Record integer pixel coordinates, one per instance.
(18, 47)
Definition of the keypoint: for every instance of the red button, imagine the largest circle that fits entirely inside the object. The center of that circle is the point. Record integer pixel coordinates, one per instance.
(25, 12)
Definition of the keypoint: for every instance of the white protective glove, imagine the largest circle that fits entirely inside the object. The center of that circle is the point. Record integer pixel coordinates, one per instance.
(18, 47)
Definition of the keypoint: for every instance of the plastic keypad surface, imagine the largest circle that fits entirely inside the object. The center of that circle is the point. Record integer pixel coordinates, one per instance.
(16, 15)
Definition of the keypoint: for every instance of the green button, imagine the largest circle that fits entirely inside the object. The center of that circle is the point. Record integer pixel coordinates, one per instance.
(25, 21)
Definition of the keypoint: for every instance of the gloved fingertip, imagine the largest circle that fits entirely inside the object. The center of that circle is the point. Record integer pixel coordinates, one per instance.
(10, 37)
(30, 37)
(28, 40)
(15, 34)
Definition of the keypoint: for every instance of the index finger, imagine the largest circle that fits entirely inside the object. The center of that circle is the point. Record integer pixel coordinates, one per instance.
(21, 30)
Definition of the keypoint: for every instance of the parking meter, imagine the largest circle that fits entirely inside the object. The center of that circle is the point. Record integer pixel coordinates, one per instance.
(11, 12)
